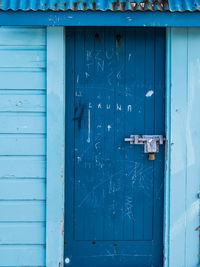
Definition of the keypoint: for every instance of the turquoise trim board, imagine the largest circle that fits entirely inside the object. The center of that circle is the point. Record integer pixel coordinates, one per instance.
(183, 132)
(55, 145)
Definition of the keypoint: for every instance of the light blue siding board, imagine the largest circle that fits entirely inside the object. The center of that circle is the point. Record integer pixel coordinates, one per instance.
(178, 148)
(21, 189)
(25, 80)
(55, 145)
(22, 167)
(22, 144)
(25, 123)
(22, 36)
(18, 211)
(19, 255)
(22, 59)
(22, 233)
(25, 103)
(193, 151)
(23, 92)
(23, 47)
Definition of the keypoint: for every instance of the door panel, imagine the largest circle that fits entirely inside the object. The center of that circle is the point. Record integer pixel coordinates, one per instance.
(114, 194)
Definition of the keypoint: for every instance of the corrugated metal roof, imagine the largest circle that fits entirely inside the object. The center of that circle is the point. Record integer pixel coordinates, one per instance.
(134, 5)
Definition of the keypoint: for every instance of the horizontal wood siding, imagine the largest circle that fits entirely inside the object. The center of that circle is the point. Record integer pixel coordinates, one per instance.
(22, 146)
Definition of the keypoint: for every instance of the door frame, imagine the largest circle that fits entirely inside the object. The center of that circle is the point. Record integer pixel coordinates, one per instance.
(56, 145)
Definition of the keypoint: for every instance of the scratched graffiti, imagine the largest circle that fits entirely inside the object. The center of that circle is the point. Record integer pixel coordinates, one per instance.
(114, 191)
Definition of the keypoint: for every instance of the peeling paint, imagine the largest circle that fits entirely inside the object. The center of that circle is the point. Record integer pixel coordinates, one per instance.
(149, 93)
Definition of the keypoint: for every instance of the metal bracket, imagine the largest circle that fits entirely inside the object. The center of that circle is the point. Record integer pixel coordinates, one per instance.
(151, 142)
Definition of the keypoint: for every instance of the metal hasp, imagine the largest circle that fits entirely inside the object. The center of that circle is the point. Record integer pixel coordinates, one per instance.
(151, 143)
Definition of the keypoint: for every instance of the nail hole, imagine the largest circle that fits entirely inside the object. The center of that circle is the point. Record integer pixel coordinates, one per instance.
(96, 36)
(118, 38)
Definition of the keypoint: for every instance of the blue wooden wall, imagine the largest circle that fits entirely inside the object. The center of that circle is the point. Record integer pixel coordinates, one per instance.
(183, 182)
(22, 146)
(23, 151)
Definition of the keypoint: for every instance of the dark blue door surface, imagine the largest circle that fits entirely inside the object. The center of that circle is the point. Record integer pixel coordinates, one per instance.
(114, 194)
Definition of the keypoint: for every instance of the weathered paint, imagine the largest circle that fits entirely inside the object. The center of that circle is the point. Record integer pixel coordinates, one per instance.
(183, 132)
(55, 145)
(23, 152)
(114, 195)
(99, 18)
(143, 5)
(23, 117)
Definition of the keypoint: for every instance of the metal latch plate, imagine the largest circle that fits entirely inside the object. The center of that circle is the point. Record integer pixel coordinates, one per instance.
(151, 142)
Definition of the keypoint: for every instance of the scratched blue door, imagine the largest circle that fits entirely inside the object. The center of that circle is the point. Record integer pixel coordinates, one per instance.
(114, 194)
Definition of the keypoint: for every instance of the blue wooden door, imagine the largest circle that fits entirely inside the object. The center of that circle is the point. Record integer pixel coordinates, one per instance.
(114, 194)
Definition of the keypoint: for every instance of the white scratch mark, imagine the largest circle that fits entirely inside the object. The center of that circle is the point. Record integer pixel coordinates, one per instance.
(88, 140)
(129, 108)
(77, 79)
(87, 74)
(78, 93)
(79, 159)
(108, 106)
(100, 65)
(149, 93)
(129, 208)
(119, 107)
(96, 145)
(97, 186)
(109, 127)
(89, 55)
(129, 56)
(119, 75)
(109, 77)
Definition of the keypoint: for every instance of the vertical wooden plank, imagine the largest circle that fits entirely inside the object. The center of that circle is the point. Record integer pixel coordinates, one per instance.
(167, 149)
(182, 174)
(129, 152)
(119, 116)
(151, 58)
(193, 152)
(139, 92)
(159, 128)
(178, 147)
(80, 227)
(109, 37)
(55, 145)
(99, 128)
